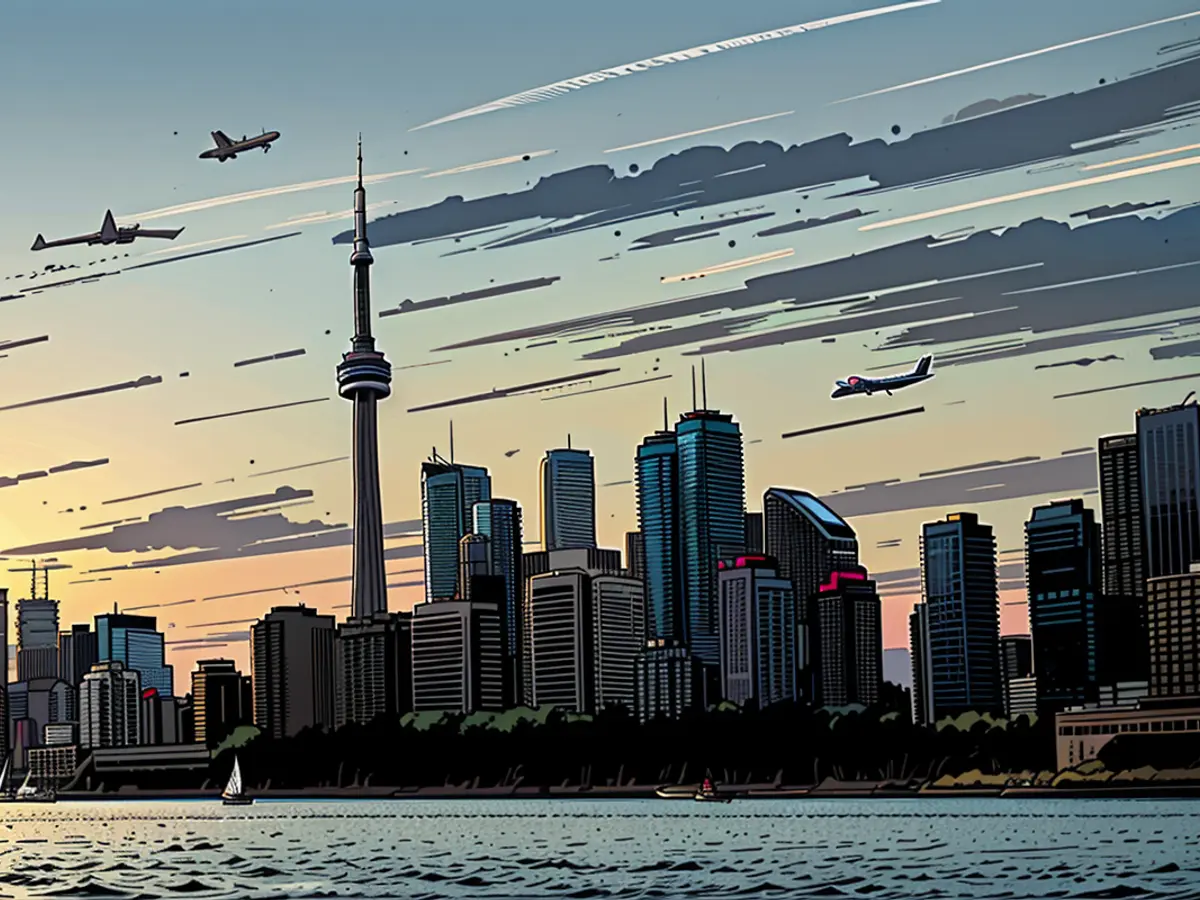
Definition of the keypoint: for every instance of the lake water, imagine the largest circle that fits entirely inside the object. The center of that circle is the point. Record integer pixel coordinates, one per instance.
(612, 848)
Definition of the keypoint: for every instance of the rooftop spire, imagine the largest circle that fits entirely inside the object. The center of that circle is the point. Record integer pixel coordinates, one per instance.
(361, 258)
(360, 184)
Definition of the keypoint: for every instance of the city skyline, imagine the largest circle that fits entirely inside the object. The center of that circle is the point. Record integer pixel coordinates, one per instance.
(208, 314)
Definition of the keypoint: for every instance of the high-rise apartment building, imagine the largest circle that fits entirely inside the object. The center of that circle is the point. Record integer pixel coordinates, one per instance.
(758, 632)
(500, 522)
(656, 476)
(375, 667)
(568, 499)
(222, 699)
(110, 706)
(958, 563)
(846, 639)
(37, 639)
(1173, 611)
(449, 492)
(1062, 571)
(78, 651)
(295, 672)
(457, 657)
(1124, 539)
(1168, 444)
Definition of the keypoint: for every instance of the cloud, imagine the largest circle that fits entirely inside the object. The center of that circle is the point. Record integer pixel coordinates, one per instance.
(988, 294)
(144, 381)
(11, 481)
(699, 131)
(1020, 56)
(1140, 158)
(608, 387)
(228, 529)
(319, 217)
(246, 412)
(984, 107)
(288, 588)
(698, 231)
(308, 465)
(198, 254)
(467, 296)
(529, 387)
(1132, 384)
(1043, 191)
(142, 496)
(286, 354)
(732, 265)
(1083, 362)
(1122, 209)
(492, 163)
(213, 202)
(850, 423)
(1062, 476)
(549, 91)
(23, 342)
(806, 224)
(1055, 130)
(209, 243)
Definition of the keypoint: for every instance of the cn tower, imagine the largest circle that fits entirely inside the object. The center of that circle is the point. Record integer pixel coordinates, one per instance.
(365, 377)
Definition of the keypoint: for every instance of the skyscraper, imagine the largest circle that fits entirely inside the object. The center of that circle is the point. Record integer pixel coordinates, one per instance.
(1173, 607)
(958, 562)
(500, 522)
(4, 749)
(758, 632)
(657, 479)
(1062, 570)
(376, 669)
(1168, 442)
(1124, 539)
(110, 701)
(457, 657)
(712, 522)
(78, 651)
(365, 377)
(754, 532)
(37, 639)
(136, 642)
(1016, 673)
(222, 700)
(294, 667)
(635, 555)
(846, 640)
(568, 499)
(922, 665)
(449, 493)
(810, 542)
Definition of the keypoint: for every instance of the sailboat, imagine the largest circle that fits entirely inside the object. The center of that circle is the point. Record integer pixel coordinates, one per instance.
(234, 794)
(27, 793)
(5, 792)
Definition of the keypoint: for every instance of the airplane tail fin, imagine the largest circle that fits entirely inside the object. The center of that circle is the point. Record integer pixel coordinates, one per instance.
(39, 243)
(108, 230)
(220, 139)
(924, 364)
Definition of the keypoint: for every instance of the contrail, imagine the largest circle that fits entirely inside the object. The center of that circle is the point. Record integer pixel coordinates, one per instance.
(550, 91)
(490, 163)
(699, 131)
(211, 202)
(1019, 56)
(728, 266)
(1035, 192)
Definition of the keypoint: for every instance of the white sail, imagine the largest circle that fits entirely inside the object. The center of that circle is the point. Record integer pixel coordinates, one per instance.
(234, 787)
(25, 789)
(4, 776)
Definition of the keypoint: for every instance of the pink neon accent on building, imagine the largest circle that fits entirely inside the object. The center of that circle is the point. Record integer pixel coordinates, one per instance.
(841, 576)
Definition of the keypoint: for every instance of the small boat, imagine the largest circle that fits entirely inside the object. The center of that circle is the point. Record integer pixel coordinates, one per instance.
(27, 793)
(234, 795)
(5, 791)
(708, 793)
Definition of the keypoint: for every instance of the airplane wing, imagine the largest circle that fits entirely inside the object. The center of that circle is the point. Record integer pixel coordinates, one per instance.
(220, 139)
(40, 243)
(169, 233)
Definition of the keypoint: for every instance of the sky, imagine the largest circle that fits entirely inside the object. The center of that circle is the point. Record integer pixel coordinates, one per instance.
(1031, 223)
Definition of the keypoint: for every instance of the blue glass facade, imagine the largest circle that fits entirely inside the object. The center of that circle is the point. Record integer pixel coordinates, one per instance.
(1168, 442)
(568, 495)
(448, 495)
(958, 562)
(500, 521)
(1062, 563)
(712, 523)
(136, 642)
(657, 479)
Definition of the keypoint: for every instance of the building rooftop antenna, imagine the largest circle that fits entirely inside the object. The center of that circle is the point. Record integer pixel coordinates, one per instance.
(703, 386)
(451, 442)
(666, 426)
(568, 440)
(693, 388)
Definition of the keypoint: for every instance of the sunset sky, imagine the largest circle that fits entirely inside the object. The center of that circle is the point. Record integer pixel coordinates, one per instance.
(926, 240)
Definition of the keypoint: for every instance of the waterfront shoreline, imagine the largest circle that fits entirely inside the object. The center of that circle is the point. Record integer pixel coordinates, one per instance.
(748, 792)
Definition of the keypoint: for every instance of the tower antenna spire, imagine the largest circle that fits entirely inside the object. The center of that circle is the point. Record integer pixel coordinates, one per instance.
(451, 442)
(568, 440)
(360, 184)
(664, 414)
(703, 386)
(693, 388)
